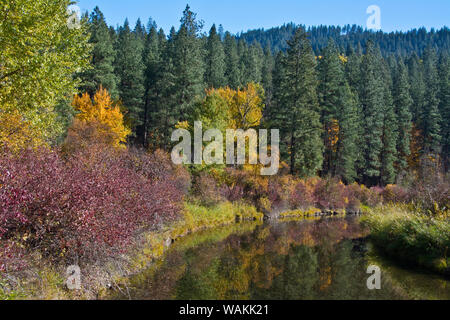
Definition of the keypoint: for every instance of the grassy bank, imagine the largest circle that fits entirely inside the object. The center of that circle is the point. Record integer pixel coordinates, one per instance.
(411, 238)
(46, 281)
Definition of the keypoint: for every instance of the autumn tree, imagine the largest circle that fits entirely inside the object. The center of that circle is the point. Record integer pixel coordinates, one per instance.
(98, 121)
(246, 105)
(39, 54)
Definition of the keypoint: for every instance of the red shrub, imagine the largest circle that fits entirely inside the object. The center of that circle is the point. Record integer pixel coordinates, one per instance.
(395, 193)
(302, 197)
(74, 210)
(330, 194)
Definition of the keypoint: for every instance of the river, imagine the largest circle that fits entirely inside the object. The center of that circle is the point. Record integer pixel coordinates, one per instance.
(294, 260)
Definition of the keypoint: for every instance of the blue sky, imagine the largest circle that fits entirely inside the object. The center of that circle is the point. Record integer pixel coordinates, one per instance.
(241, 15)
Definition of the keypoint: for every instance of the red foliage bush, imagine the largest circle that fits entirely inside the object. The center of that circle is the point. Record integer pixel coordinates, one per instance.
(82, 211)
(11, 257)
(302, 197)
(431, 196)
(395, 194)
(330, 194)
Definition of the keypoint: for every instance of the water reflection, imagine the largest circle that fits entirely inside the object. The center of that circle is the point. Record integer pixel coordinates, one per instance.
(324, 259)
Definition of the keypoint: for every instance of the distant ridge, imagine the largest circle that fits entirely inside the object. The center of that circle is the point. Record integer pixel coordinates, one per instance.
(399, 43)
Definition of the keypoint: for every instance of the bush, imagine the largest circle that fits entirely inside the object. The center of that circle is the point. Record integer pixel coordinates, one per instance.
(74, 211)
(432, 197)
(206, 189)
(330, 194)
(410, 237)
(302, 197)
(395, 194)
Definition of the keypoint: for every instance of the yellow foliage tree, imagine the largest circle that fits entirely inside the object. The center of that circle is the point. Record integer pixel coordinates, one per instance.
(16, 133)
(103, 114)
(245, 105)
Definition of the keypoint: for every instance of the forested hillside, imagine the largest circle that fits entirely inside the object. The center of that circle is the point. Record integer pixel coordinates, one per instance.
(399, 43)
(345, 106)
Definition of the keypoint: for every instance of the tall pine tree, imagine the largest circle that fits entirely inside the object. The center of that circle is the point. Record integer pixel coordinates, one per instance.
(102, 61)
(298, 115)
(403, 103)
(215, 60)
(372, 102)
(129, 68)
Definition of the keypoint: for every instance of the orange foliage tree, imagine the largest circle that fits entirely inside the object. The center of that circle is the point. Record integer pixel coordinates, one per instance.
(98, 121)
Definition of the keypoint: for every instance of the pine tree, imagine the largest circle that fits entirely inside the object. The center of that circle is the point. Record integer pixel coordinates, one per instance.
(188, 63)
(298, 116)
(215, 60)
(430, 118)
(231, 62)
(102, 61)
(372, 101)
(338, 115)
(349, 127)
(253, 61)
(267, 75)
(152, 58)
(129, 69)
(444, 107)
(330, 78)
(165, 114)
(232, 73)
(417, 85)
(403, 103)
(390, 129)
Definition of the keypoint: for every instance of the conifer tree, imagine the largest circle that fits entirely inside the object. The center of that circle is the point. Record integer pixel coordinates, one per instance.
(102, 61)
(403, 103)
(390, 129)
(215, 60)
(444, 107)
(267, 75)
(372, 102)
(430, 121)
(129, 68)
(231, 62)
(188, 64)
(338, 115)
(152, 58)
(417, 85)
(298, 117)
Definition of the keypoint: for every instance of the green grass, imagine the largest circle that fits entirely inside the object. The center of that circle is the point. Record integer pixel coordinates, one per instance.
(412, 238)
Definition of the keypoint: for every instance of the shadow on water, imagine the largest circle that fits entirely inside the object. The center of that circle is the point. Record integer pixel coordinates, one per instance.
(323, 259)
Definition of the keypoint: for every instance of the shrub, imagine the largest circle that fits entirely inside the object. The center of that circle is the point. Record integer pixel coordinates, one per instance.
(330, 194)
(395, 194)
(411, 237)
(433, 197)
(302, 197)
(206, 190)
(73, 211)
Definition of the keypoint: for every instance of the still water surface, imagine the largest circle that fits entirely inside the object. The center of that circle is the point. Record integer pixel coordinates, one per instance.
(319, 259)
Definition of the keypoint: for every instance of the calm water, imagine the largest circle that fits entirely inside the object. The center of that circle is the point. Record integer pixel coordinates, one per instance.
(324, 259)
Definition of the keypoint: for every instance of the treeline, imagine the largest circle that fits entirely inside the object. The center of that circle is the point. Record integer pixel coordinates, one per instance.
(346, 108)
(398, 43)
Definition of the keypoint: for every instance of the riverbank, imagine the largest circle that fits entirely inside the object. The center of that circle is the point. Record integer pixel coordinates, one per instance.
(411, 238)
(46, 281)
